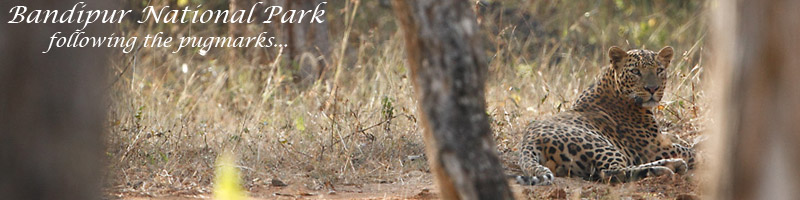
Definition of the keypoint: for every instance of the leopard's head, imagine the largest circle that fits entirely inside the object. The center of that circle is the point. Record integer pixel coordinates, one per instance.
(640, 74)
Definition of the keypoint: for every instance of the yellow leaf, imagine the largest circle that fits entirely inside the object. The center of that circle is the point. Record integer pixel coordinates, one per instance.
(226, 180)
(182, 3)
(660, 107)
(516, 98)
(300, 123)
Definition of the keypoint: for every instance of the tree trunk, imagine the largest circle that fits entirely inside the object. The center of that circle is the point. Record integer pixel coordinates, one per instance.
(238, 29)
(51, 109)
(308, 42)
(448, 69)
(756, 47)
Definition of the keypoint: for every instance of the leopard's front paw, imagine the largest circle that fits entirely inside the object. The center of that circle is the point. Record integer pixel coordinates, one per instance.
(535, 180)
(659, 171)
(678, 166)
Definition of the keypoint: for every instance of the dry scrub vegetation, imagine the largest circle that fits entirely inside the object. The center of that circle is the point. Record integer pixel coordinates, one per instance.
(171, 114)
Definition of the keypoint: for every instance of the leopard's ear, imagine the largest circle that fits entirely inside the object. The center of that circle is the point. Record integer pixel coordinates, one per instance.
(616, 54)
(665, 55)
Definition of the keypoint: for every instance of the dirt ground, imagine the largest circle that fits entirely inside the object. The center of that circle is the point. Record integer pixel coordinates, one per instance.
(420, 185)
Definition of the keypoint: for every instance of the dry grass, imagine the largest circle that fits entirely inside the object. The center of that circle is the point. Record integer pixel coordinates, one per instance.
(172, 114)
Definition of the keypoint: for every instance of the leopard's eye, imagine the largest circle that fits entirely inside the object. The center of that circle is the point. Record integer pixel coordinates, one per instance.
(636, 71)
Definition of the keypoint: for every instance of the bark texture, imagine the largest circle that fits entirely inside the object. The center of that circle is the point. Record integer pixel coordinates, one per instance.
(51, 109)
(239, 29)
(308, 42)
(448, 69)
(757, 66)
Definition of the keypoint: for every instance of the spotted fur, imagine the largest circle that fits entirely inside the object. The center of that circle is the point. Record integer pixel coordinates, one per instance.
(610, 133)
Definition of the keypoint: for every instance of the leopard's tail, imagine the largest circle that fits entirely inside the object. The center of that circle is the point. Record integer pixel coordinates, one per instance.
(534, 173)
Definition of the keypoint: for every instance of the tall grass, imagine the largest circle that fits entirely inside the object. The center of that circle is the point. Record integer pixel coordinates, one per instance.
(172, 114)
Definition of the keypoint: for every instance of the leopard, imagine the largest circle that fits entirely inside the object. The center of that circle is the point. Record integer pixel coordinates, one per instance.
(610, 132)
